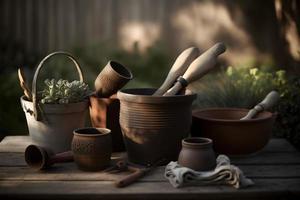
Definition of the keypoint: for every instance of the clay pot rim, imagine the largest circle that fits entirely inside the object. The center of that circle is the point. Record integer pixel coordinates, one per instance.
(129, 96)
(197, 114)
(100, 134)
(200, 142)
(114, 64)
(37, 149)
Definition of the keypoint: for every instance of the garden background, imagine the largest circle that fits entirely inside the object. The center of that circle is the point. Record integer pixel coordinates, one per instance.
(262, 39)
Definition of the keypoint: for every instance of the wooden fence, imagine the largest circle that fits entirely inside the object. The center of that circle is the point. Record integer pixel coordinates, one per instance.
(47, 25)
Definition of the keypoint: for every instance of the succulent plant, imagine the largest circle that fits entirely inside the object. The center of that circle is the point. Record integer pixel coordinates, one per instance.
(63, 92)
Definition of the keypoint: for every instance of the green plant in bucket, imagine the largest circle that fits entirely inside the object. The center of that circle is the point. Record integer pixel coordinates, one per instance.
(63, 92)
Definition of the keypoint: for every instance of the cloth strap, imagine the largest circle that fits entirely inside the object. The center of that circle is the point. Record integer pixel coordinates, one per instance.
(182, 81)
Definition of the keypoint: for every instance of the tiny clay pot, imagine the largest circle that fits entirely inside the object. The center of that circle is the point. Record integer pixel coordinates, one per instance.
(91, 148)
(112, 78)
(197, 154)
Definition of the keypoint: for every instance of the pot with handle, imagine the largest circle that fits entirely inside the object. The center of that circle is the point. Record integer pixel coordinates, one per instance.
(51, 125)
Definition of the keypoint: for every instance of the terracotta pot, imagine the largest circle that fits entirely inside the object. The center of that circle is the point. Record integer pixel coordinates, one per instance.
(153, 126)
(231, 135)
(104, 113)
(91, 148)
(112, 78)
(197, 154)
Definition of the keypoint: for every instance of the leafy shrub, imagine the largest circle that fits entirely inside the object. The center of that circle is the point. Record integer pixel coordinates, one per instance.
(238, 87)
(149, 68)
(63, 91)
(288, 120)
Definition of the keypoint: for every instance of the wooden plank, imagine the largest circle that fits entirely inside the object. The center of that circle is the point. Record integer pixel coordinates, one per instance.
(279, 145)
(14, 143)
(8, 159)
(69, 172)
(19, 143)
(268, 158)
(264, 189)
(264, 158)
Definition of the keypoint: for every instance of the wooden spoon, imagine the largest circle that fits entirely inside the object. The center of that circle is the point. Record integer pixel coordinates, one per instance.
(199, 67)
(24, 86)
(269, 101)
(179, 67)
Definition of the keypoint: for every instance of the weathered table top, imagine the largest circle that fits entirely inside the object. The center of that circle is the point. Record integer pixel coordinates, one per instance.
(275, 171)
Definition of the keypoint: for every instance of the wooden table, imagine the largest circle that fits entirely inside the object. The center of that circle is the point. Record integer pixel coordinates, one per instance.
(275, 171)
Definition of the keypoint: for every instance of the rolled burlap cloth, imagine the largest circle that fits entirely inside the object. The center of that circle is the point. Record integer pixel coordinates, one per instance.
(223, 174)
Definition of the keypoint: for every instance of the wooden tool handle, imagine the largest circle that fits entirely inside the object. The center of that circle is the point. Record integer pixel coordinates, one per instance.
(23, 84)
(199, 67)
(61, 158)
(269, 101)
(204, 63)
(179, 67)
(127, 180)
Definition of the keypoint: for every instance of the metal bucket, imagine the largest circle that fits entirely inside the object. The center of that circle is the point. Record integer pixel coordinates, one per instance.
(51, 125)
(153, 126)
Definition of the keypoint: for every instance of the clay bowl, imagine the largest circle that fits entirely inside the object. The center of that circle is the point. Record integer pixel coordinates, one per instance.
(230, 135)
(153, 126)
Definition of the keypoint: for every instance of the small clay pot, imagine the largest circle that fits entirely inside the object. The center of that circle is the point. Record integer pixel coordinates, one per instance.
(91, 148)
(112, 78)
(197, 154)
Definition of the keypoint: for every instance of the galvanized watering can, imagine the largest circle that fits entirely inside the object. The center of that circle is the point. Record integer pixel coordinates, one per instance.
(51, 125)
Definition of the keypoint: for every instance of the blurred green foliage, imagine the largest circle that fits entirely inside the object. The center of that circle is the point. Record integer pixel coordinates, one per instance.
(63, 92)
(288, 121)
(238, 87)
(149, 67)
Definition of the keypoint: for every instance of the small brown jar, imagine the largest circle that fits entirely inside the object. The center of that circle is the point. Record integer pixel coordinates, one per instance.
(197, 154)
(92, 148)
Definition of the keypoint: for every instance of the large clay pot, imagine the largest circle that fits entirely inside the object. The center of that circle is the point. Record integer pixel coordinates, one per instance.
(231, 135)
(153, 126)
(104, 113)
(51, 125)
(91, 148)
(197, 154)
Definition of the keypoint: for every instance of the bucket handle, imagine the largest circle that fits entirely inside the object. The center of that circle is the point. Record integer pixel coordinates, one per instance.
(34, 81)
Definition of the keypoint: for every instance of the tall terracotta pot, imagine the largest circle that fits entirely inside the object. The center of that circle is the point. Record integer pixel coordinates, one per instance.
(153, 126)
(104, 113)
